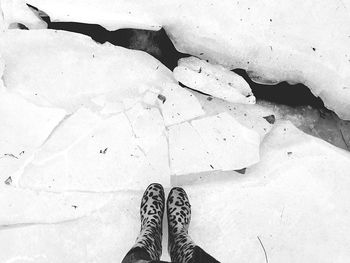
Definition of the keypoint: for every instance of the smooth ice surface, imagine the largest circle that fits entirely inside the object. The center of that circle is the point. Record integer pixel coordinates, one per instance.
(88, 153)
(297, 41)
(296, 203)
(214, 80)
(16, 11)
(65, 69)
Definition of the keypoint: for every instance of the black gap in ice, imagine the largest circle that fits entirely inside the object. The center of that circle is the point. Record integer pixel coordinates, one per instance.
(282, 93)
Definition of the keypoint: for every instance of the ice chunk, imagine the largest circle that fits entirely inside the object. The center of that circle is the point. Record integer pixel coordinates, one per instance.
(94, 154)
(66, 69)
(21, 206)
(233, 145)
(214, 80)
(17, 11)
(188, 154)
(178, 105)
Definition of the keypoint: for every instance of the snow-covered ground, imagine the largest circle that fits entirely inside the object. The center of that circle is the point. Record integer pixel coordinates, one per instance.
(86, 127)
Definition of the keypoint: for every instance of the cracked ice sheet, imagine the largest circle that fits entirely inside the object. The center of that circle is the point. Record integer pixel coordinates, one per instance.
(289, 205)
(273, 42)
(65, 69)
(24, 128)
(22, 206)
(114, 153)
(212, 143)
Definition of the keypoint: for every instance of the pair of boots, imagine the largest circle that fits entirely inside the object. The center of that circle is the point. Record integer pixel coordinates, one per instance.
(148, 245)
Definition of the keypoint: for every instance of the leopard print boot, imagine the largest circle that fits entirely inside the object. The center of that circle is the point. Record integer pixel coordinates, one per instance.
(151, 211)
(181, 246)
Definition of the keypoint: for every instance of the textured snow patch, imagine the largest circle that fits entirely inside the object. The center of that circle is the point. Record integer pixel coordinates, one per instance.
(213, 80)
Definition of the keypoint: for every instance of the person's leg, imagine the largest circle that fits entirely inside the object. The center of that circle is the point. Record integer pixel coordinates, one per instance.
(182, 249)
(148, 245)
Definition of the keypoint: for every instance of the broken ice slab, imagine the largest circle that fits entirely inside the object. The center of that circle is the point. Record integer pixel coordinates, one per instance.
(178, 105)
(114, 153)
(17, 12)
(24, 206)
(212, 143)
(233, 145)
(213, 80)
(67, 69)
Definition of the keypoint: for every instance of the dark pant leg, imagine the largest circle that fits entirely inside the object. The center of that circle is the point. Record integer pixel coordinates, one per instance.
(200, 256)
(136, 255)
(139, 255)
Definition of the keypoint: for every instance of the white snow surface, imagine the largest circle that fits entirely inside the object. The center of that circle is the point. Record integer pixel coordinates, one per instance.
(73, 195)
(294, 41)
